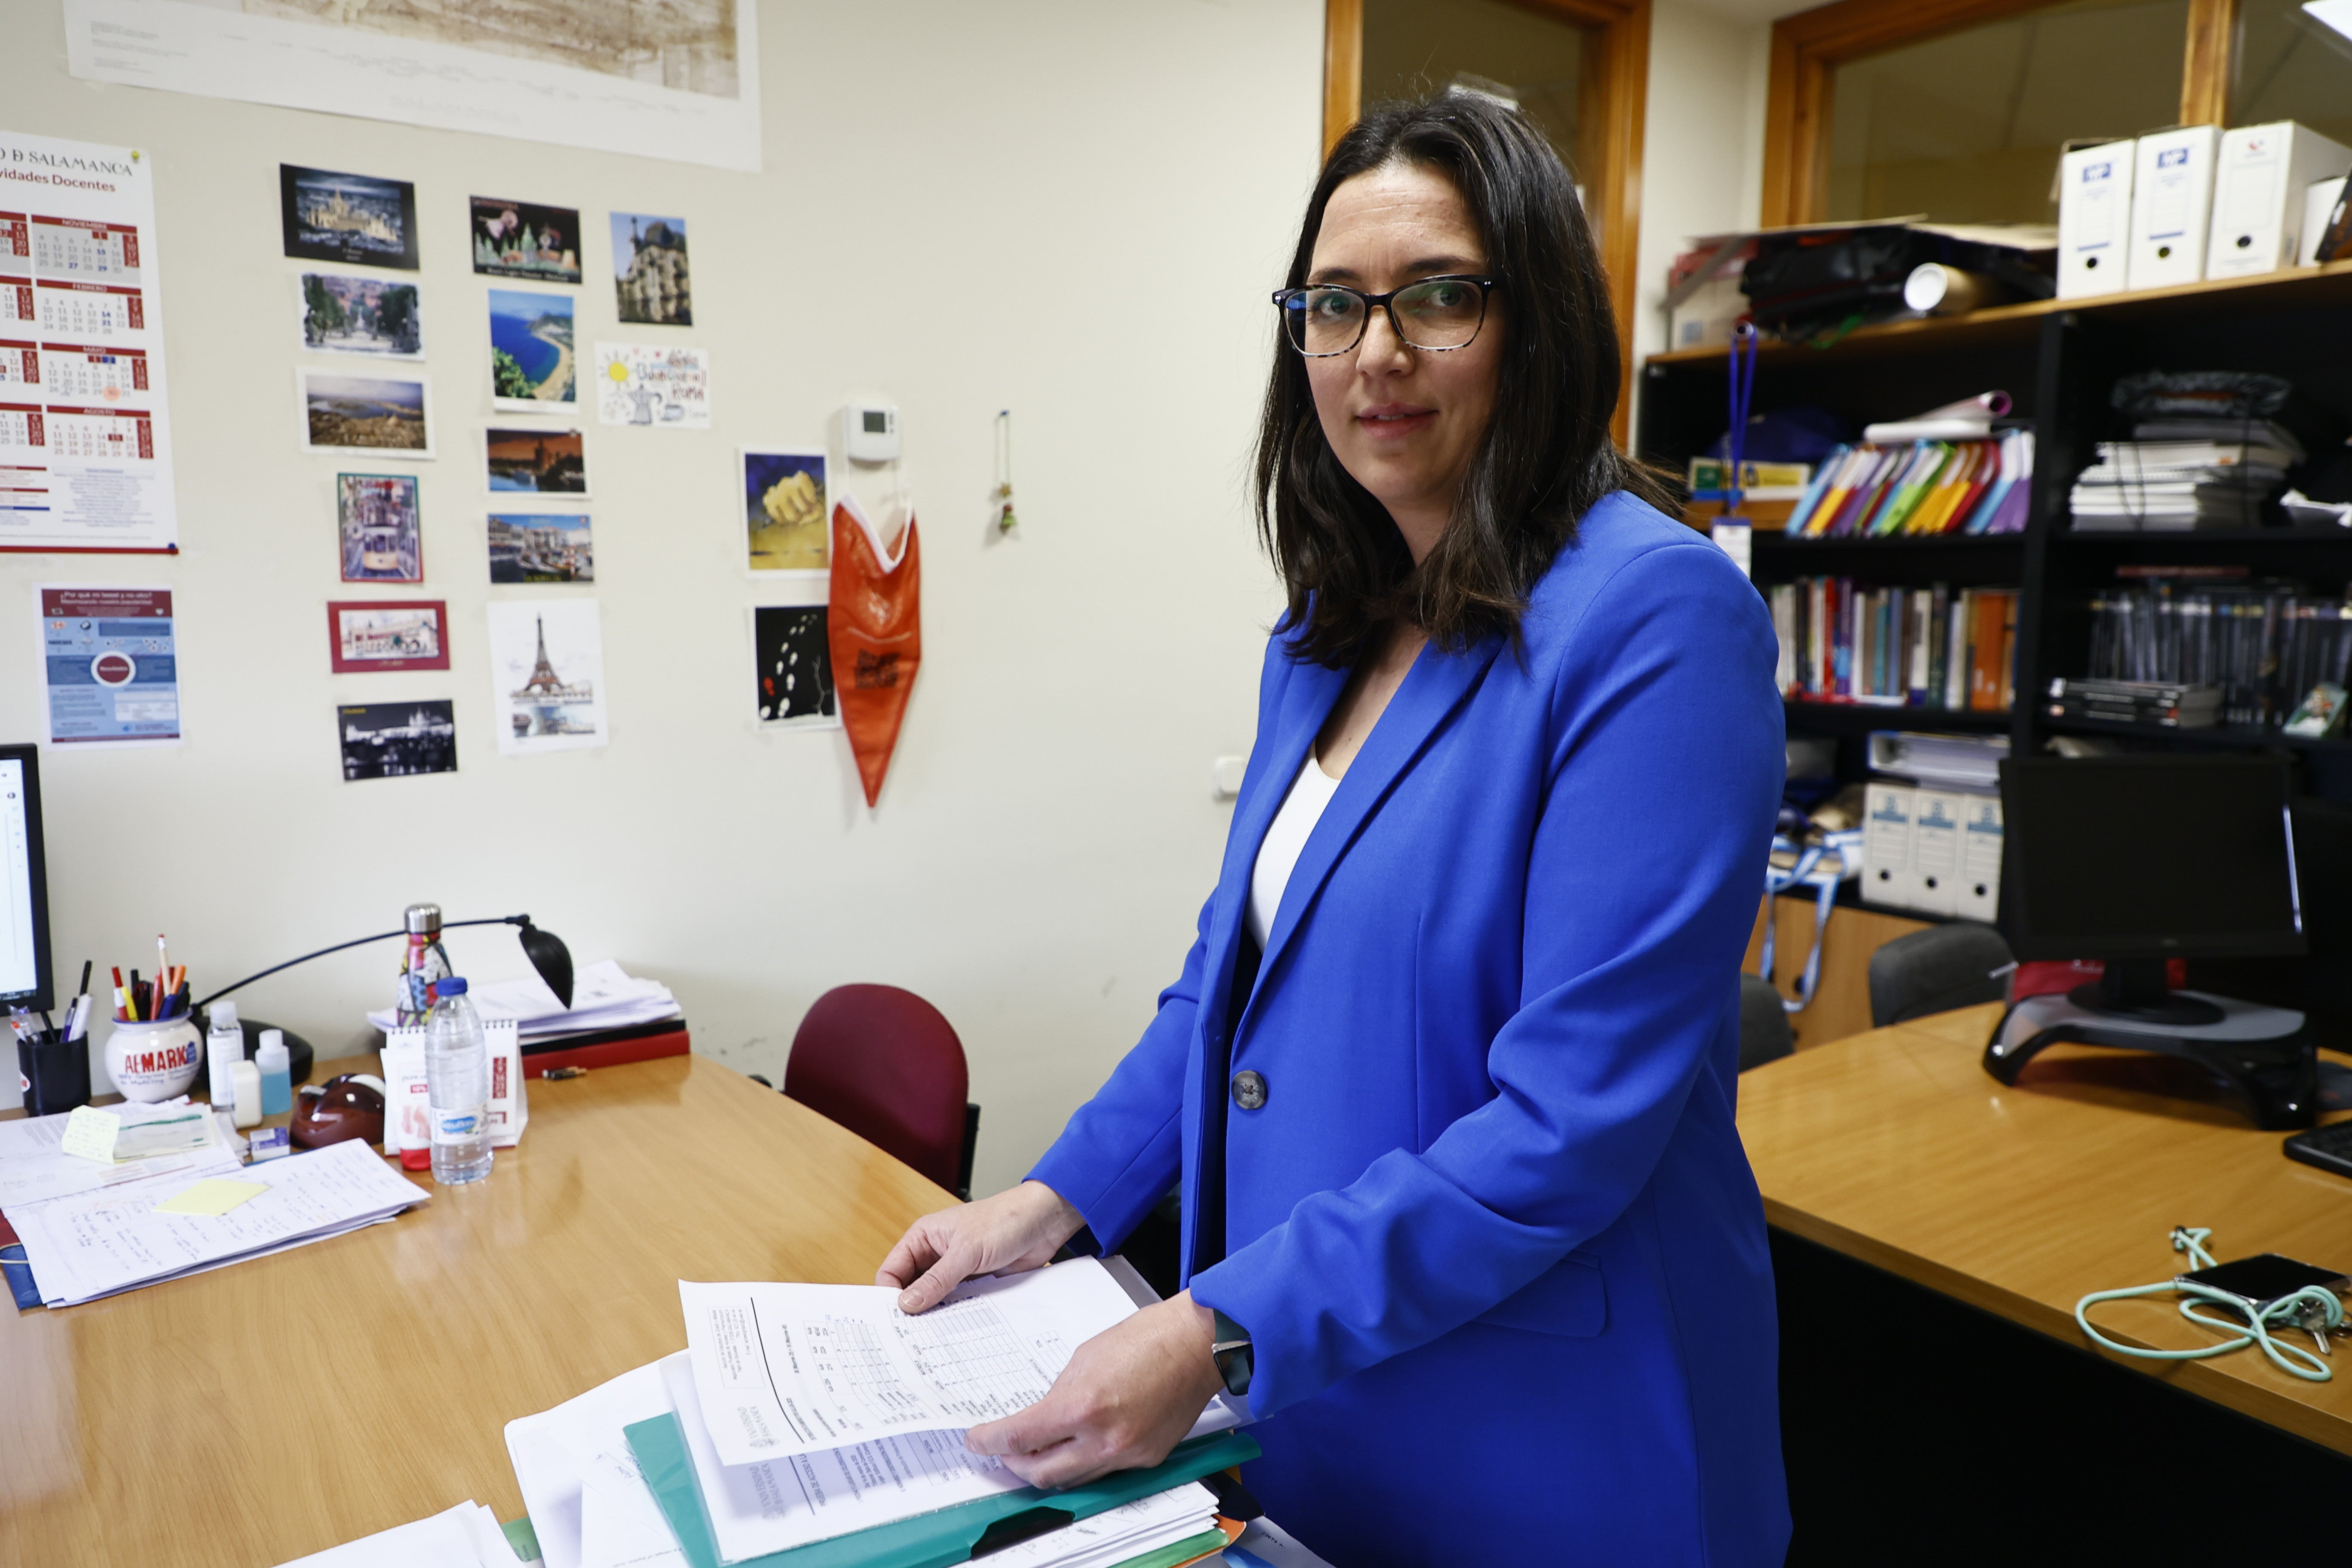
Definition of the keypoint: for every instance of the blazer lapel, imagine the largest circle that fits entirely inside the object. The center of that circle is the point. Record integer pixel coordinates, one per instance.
(1437, 684)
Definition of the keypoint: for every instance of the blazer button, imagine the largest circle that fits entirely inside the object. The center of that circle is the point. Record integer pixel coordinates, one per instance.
(1249, 1090)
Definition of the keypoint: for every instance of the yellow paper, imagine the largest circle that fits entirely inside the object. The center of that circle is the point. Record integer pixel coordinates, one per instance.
(90, 1134)
(215, 1196)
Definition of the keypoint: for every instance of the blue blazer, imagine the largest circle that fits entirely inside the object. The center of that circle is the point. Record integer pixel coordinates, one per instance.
(1492, 1232)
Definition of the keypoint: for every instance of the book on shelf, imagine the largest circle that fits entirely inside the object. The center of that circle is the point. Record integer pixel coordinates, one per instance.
(2168, 485)
(1710, 480)
(1933, 647)
(2261, 645)
(2166, 703)
(1873, 490)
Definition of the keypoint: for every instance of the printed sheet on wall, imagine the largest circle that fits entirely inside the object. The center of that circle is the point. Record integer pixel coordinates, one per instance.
(84, 437)
(661, 79)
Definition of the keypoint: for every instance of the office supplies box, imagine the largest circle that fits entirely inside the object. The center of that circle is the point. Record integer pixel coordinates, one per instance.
(1978, 896)
(1887, 844)
(1934, 879)
(2262, 178)
(2095, 198)
(2172, 206)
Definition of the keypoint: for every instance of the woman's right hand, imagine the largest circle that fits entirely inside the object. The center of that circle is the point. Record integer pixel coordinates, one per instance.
(1013, 1231)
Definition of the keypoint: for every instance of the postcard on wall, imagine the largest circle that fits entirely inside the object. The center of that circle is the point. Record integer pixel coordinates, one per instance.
(368, 636)
(394, 739)
(376, 518)
(530, 350)
(785, 510)
(547, 675)
(539, 462)
(792, 669)
(344, 313)
(677, 80)
(383, 416)
(85, 428)
(649, 269)
(352, 218)
(522, 239)
(112, 671)
(645, 383)
(541, 547)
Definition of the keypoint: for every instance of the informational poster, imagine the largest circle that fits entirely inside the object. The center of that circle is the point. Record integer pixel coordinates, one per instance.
(653, 384)
(110, 666)
(679, 79)
(85, 437)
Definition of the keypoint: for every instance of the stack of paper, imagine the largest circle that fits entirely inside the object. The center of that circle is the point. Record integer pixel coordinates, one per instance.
(2181, 473)
(34, 1166)
(467, 1536)
(854, 1428)
(603, 997)
(123, 1234)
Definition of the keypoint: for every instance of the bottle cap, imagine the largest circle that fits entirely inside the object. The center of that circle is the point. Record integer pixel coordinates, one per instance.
(273, 1044)
(453, 987)
(222, 1015)
(423, 919)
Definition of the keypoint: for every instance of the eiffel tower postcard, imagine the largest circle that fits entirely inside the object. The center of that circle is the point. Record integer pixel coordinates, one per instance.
(547, 676)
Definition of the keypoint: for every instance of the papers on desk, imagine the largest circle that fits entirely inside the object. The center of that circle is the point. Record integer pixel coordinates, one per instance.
(603, 997)
(34, 1166)
(92, 1244)
(579, 1483)
(467, 1536)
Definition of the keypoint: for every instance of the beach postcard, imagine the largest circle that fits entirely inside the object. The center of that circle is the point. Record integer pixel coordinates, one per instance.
(532, 361)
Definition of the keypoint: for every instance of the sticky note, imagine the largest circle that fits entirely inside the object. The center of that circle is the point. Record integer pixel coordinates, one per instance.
(89, 1133)
(215, 1196)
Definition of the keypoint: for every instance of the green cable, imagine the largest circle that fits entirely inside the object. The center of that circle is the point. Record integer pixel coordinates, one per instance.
(2294, 1311)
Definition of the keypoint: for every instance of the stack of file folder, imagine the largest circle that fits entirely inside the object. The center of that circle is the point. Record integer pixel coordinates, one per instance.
(1874, 490)
(604, 998)
(816, 1427)
(2179, 474)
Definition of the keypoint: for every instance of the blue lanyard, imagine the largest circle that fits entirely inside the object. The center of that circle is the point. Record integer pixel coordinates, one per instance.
(1743, 394)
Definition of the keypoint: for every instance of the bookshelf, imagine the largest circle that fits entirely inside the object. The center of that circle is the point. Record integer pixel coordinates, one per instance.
(2057, 360)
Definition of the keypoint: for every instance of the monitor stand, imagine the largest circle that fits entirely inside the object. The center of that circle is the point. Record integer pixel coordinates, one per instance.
(2259, 1053)
(2134, 989)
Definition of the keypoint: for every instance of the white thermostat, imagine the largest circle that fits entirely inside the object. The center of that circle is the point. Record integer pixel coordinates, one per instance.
(872, 432)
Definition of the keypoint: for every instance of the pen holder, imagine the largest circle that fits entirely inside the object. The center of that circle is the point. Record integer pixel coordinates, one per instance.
(55, 1074)
(154, 1061)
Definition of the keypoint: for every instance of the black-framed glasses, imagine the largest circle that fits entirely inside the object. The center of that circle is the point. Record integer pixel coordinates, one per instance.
(1435, 313)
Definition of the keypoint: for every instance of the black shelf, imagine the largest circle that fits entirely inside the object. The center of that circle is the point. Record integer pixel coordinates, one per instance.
(2222, 540)
(2223, 736)
(1925, 543)
(1859, 719)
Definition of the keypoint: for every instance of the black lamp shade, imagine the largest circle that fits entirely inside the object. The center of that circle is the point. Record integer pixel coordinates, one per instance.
(550, 957)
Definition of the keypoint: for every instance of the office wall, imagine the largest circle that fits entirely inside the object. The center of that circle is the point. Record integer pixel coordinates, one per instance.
(1071, 208)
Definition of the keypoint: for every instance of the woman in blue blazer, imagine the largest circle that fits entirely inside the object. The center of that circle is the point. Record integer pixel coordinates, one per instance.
(1448, 1077)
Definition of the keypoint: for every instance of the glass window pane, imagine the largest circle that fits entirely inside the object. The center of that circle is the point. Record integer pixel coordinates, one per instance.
(1966, 128)
(2294, 66)
(1416, 46)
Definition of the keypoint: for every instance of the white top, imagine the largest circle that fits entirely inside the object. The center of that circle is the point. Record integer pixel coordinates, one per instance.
(1278, 855)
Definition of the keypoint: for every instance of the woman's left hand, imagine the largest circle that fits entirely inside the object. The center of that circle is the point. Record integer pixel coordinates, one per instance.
(1127, 1396)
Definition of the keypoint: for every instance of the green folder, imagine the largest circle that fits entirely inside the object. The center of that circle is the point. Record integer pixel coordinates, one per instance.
(928, 1541)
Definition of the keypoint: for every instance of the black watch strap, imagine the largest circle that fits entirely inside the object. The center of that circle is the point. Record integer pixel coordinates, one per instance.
(1230, 1349)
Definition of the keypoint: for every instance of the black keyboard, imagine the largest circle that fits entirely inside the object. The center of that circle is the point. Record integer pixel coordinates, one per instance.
(2329, 1148)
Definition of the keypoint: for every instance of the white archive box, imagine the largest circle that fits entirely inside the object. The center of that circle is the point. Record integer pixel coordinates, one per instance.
(1886, 845)
(1935, 880)
(2172, 206)
(1980, 842)
(2261, 182)
(2319, 201)
(2093, 220)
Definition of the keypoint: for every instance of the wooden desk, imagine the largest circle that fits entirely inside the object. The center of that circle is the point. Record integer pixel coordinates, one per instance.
(280, 1406)
(1896, 1148)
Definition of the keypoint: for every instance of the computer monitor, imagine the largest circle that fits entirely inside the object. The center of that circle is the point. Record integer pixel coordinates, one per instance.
(2140, 858)
(24, 977)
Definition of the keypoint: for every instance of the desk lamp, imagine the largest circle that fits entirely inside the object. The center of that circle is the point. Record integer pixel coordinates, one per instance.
(545, 950)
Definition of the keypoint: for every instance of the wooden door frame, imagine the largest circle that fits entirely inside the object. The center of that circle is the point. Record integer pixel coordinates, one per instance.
(1612, 97)
(1807, 47)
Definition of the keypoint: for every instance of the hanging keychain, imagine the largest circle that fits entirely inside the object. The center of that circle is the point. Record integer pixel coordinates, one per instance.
(1732, 530)
(1005, 517)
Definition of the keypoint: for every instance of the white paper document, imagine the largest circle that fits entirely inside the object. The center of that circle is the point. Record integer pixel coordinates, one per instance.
(580, 1482)
(33, 1168)
(796, 1369)
(467, 1536)
(603, 997)
(97, 1243)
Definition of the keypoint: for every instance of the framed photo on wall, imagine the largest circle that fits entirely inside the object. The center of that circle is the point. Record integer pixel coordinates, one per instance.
(372, 635)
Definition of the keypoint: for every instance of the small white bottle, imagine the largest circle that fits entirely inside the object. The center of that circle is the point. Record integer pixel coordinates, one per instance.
(224, 1048)
(276, 1067)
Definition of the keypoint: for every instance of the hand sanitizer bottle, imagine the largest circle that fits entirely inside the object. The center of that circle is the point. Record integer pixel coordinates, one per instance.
(276, 1073)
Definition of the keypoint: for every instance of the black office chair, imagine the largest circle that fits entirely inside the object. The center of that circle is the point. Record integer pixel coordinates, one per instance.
(1936, 970)
(1764, 1032)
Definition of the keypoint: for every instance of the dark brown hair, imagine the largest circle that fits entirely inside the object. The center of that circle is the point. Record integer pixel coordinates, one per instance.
(1547, 457)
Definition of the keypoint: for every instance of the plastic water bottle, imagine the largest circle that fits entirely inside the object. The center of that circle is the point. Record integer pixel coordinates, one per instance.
(457, 1087)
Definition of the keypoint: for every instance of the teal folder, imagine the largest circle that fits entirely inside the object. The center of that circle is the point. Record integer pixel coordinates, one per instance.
(927, 1540)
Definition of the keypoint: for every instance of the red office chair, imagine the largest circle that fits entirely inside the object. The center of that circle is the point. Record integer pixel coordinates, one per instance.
(885, 1064)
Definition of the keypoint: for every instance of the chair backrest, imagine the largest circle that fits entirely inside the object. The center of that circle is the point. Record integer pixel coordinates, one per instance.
(886, 1065)
(1933, 971)
(1764, 1032)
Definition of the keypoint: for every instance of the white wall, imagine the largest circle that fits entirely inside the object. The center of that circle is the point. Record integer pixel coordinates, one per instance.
(1072, 208)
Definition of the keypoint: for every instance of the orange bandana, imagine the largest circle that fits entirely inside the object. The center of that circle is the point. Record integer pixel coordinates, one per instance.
(876, 630)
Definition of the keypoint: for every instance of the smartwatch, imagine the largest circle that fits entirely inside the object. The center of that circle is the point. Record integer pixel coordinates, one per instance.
(1230, 1349)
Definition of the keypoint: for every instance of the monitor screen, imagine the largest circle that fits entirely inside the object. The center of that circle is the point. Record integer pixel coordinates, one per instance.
(2150, 856)
(24, 885)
